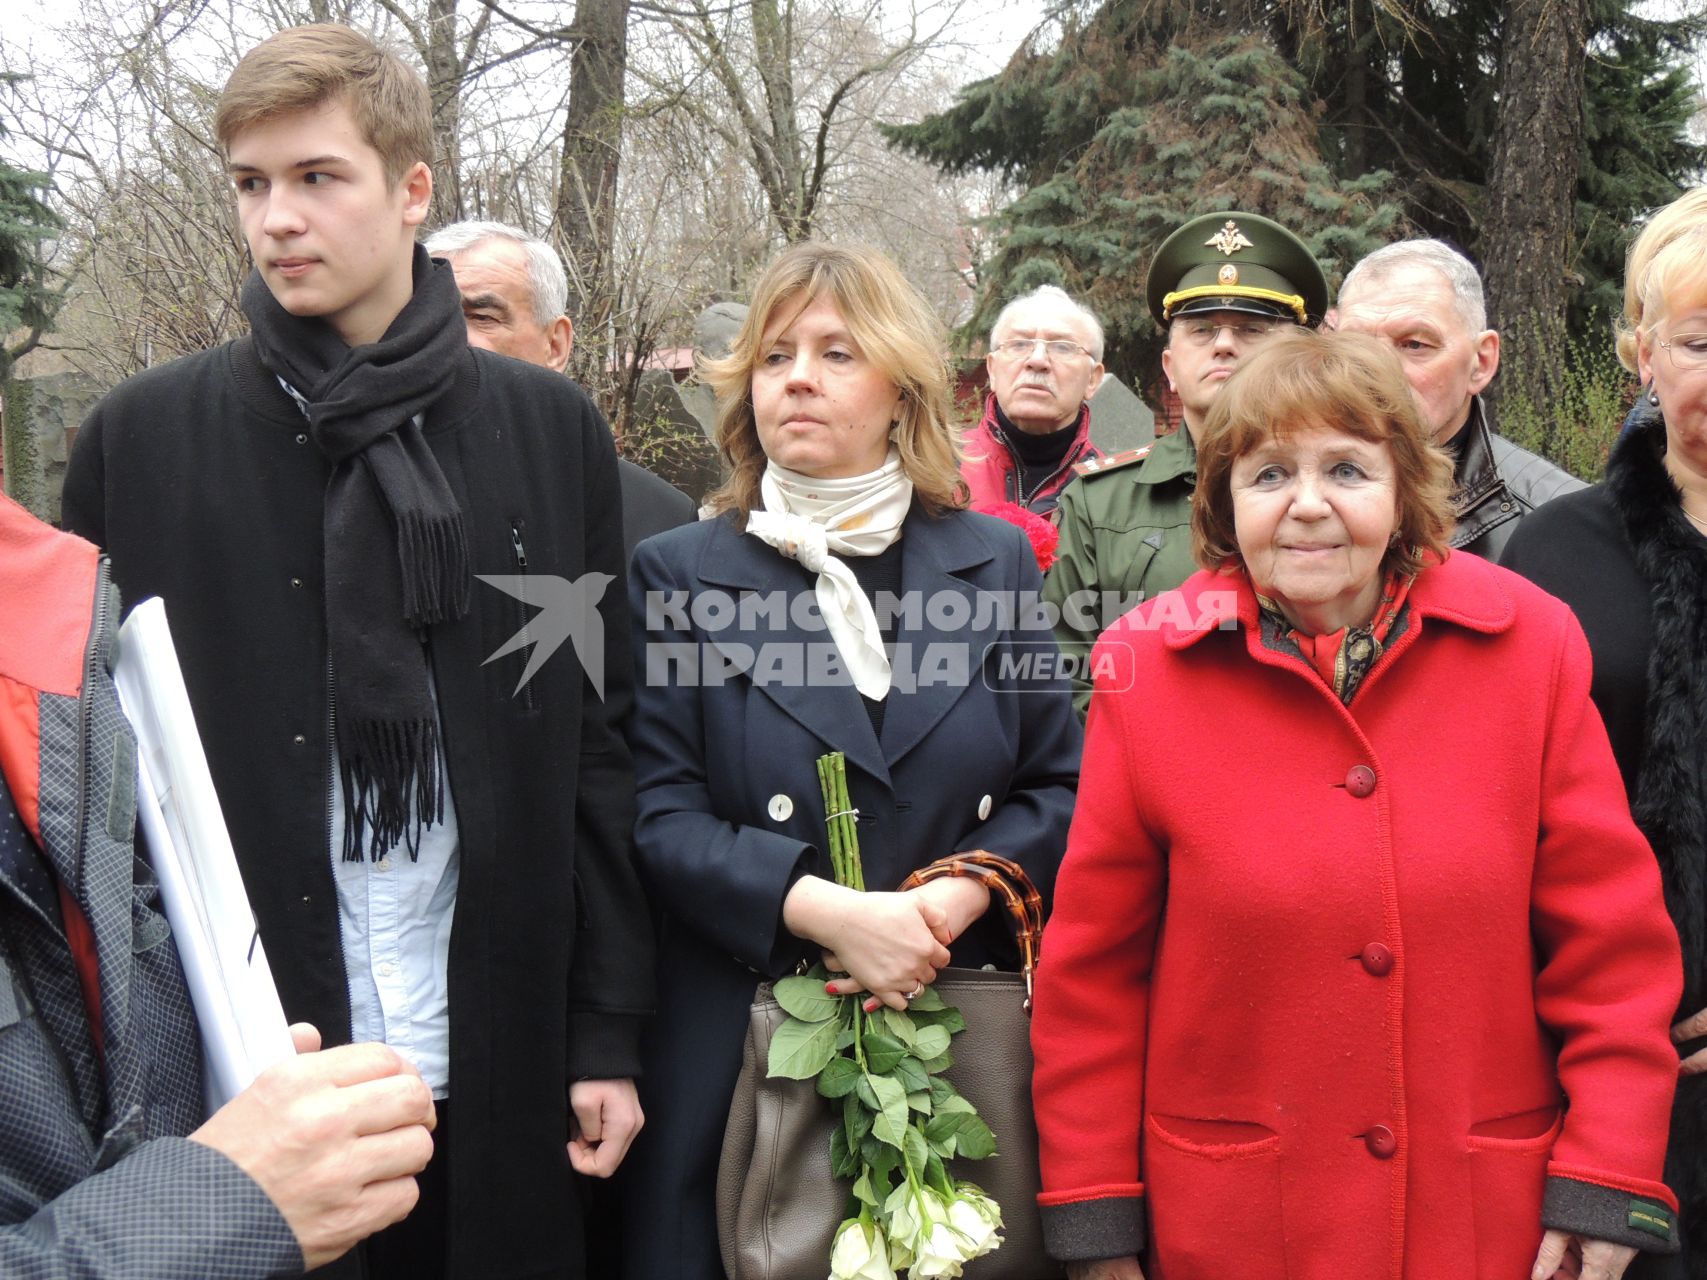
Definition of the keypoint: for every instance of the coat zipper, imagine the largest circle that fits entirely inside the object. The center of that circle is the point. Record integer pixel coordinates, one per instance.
(518, 548)
(86, 714)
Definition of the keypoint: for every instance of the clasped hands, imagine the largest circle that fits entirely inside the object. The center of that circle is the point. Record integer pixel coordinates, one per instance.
(888, 944)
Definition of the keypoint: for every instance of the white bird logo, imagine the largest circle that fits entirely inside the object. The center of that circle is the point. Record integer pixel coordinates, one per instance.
(567, 611)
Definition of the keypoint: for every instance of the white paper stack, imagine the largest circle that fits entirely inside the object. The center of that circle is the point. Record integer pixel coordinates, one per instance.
(242, 1023)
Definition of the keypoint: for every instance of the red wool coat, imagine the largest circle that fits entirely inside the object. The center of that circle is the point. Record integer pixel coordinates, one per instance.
(1316, 990)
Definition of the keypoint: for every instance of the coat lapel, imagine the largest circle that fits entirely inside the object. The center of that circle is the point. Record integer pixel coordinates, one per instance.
(751, 570)
(936, 665)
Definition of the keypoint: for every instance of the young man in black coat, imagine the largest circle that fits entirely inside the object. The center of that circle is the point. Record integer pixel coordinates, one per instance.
(350, 516)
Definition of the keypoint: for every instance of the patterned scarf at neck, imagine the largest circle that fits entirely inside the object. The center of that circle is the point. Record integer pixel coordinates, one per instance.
(1343, 658)
(817, 521)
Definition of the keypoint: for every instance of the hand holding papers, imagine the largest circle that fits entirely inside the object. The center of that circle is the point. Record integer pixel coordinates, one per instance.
(242, 1023)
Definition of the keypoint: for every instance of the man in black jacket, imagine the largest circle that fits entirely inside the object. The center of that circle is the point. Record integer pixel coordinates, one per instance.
(431, 804)
(515, 298)
(1425, 298)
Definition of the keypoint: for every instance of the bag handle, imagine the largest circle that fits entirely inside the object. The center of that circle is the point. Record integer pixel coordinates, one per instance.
(1009, 882)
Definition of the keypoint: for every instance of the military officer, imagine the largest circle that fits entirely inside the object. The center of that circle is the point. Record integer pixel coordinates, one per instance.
(1219, 286)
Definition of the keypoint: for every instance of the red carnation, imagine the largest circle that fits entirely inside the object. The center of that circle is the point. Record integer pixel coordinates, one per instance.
(1043, 535)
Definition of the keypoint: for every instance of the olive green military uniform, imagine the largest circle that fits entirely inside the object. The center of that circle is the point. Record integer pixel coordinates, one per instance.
(1125, 537)
(1126, 523)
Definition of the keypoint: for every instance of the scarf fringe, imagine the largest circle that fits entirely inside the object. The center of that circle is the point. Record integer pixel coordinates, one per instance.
(433, 552)
(383, 765)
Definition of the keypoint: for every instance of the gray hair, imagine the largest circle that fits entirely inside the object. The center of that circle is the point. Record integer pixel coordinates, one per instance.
(1060, 297)
(546, 279)
(1437, 255)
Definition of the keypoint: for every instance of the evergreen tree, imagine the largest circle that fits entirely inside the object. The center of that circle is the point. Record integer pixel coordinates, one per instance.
(1160, 126)
(1401, 100)
(27, 299)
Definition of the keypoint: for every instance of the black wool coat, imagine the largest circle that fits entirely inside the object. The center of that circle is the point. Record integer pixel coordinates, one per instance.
(1628, 562)
(200, 481)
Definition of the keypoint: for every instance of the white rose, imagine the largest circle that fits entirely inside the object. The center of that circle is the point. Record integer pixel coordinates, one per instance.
(979, 1219)
(859, 1253)
(940, 1254)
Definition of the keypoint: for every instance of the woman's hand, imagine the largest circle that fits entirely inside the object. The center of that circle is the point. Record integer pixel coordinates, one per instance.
(961, 899)
(1692, 1029)
(1564, 1254)
(1105, 1269)
(889, 944)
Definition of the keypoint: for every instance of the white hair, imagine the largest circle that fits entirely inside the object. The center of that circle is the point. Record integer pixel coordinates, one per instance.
(1459, 271)
(1056, 297)
(546, 279)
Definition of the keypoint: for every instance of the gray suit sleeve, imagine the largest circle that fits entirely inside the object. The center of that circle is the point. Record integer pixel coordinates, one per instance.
(170, 1209)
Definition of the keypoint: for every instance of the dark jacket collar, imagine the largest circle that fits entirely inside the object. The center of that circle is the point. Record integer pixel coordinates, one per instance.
(1480, 497)
(938, 557)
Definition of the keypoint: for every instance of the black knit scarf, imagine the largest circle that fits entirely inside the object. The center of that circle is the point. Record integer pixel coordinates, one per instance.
(1669, 805)
(396, 554)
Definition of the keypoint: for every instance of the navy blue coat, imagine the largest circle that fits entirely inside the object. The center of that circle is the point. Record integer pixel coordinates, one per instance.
(979, 753)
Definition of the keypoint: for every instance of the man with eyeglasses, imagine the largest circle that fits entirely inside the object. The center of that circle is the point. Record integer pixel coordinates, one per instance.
(1425, 298)
(1219, 286)
(1045, 363)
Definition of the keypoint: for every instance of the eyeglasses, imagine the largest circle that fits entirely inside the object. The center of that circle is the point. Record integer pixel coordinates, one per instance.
(1688, 351)
(1054, 348)
(1201, 333)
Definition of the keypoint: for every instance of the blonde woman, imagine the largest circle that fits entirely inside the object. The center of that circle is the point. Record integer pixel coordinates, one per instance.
(837, 600)
(1630, 557)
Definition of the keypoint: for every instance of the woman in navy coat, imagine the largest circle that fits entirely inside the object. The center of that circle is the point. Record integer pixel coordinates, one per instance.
(837, 600)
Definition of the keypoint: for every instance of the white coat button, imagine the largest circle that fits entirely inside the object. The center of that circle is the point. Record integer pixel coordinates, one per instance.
(984, 808)
(781, 808)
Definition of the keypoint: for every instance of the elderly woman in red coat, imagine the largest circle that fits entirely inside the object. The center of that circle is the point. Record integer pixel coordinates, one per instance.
(1368, 974)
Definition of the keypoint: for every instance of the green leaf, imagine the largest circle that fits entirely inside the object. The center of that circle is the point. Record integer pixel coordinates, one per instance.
(799, 1050)
(936, 1174)
(900, 1025)
(867, 1096)
(807, 1000)
(914, 1150)
(950, 1020)
(970, 1135)
(912, 1075)
(838, 1077)
(879, 1156)
(862, 1190)
(843, 1162)
(882, 1052)
(930, 1042)
(938, 1064)
(942, 1089)
(856, 1120)
(890, 1123)
(927, 1001)
(956, 1105)
(919, 1100)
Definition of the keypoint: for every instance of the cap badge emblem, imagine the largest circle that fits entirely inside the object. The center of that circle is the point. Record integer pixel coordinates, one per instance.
(1229, 274)
(1229, 240)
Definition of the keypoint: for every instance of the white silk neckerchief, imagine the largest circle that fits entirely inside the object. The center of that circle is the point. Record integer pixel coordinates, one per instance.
(818, 521)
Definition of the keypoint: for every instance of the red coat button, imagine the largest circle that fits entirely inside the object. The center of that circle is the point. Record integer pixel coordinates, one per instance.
(1360, 781)
(1377, 959)
(1381, 1142)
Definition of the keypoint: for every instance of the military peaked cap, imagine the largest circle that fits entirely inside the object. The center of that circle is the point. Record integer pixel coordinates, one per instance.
(1234, 261)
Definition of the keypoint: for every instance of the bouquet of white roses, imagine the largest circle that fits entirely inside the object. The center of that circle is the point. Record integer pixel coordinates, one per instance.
(899, 1118)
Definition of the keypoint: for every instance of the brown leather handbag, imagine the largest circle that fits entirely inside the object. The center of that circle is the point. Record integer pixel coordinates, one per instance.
(778, 1205)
